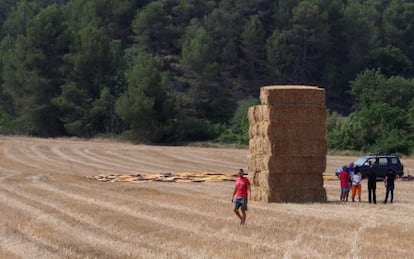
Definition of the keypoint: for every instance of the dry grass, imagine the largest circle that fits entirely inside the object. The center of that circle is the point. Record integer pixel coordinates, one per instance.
(50, 210)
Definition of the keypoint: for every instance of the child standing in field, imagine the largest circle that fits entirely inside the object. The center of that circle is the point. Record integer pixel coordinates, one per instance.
(240, 196)
(356, 184)
(344, 178)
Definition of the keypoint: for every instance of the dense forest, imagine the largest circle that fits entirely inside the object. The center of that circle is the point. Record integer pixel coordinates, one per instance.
(173, 71)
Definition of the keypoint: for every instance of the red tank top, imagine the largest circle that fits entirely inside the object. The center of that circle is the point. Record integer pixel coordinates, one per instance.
(242, 185)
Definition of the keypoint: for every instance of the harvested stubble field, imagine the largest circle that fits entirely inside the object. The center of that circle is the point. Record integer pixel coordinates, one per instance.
(49, 209)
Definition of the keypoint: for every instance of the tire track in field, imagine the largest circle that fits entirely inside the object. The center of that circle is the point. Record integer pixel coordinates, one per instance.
(197, 160)
(114, 166)
(177, 203)
(145, 163)
(14, 153)
(27, 234)
(190, 227)
(21, 155)
(173, 158)
(147, 157)
(265, 210)
(17, 241)
(126, 161)
(28, 153)
(181, 200)
(199, 206)
(83, 221)
(220, 218)
(270, 229)
(42, 159)
(17, 235)
(101, 160)
(45, 153)
(269, 244)
(11, 239)
(164, 243)
(134, 242)
(62, 222)
(121, 162)
(67, 155)
(201, 157)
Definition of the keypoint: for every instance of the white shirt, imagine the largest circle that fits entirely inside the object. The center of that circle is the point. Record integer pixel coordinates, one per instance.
(356, 179)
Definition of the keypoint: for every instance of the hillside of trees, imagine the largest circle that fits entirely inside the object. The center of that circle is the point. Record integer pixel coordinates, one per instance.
(174, 71)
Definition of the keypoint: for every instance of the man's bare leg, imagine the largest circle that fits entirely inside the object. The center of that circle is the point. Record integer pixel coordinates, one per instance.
(243, 219)
(236, 211)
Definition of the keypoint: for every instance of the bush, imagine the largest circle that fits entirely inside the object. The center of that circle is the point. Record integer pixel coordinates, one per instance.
(380, 128)
(195, 129)
(5, 123)
(238, 131)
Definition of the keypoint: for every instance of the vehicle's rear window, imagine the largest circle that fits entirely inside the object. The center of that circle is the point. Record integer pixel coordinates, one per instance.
(382, 161)
(394, 160)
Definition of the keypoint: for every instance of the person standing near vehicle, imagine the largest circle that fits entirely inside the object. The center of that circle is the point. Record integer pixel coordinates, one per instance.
(372, 185)
(240, 196)
(344, 182)
(356, 184)
(389, 185)
(351, 171)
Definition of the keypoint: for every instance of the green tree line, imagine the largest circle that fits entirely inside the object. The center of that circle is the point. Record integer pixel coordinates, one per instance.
(172, 71)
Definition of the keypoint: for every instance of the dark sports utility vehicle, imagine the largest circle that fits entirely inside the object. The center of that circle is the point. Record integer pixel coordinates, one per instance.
(380, 164)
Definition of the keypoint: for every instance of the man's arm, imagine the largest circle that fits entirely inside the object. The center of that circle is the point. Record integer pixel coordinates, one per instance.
(249, 193)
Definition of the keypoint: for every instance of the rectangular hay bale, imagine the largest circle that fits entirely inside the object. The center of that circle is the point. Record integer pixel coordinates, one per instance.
(295, 94)
(280, 163)
(311, 194)
(286, 180)
(288, 147)
(288, 131)
(287, 113)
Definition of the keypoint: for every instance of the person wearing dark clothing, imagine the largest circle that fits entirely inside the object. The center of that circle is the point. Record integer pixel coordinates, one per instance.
(372, 185)
(389, 185)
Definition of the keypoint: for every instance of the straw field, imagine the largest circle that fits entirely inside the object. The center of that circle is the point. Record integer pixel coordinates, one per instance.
(49, 209)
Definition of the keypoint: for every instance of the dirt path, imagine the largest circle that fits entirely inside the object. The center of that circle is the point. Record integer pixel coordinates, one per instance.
(50, 210)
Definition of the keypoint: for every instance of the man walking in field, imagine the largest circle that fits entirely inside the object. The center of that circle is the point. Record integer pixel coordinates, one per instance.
(240, 196)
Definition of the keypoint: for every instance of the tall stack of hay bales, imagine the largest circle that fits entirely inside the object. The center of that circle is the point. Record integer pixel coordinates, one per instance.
(287, 144)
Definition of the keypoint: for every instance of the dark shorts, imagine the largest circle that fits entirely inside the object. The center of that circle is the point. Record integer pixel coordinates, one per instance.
(240, 203)
(344, 189)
